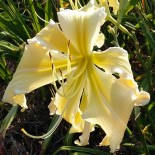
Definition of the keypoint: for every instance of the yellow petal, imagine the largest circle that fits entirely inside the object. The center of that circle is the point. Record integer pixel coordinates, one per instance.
(82, 28)
(100, 40)
(78, 123)
(91, 5)
(34, 71)
(142, 99)
(84, 138)
(52, 38)
(72, 113)
(105, 141)
(113, 60)
(14, 99)
(106, 95)
(115, 5)
(110, 3)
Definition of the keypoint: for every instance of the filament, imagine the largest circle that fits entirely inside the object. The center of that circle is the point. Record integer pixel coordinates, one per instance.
(41, 18)
(83, 67)
(49, 133)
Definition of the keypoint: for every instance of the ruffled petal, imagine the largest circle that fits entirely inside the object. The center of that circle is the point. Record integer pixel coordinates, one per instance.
(84, 138)
(52, 38)
(90, 6)
(142, 99)
(113, 60)
(34, 71)
(106, 94)
(100, 40)
(82, 28)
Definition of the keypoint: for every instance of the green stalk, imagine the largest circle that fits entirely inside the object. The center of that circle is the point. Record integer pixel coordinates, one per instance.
(8, 120)
(151, 147)
(53, 127)
(138, 122)
(139, 56)
(48, 11)
(150, 118)
(122, 28)
(34, 15)
(47, 140)
(80, 149)
(148, 76)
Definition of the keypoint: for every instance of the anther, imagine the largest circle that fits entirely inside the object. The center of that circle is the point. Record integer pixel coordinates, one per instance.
(70, 58)
(68, 43)
(60, 72)
(50, 56)
(52, 66)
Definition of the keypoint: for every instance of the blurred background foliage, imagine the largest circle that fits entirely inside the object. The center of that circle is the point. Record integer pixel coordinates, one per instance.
(21, 20)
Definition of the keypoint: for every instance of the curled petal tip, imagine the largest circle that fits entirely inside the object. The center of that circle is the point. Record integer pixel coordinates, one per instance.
(142, 99)
(84, 138)
(105, 141)
(52, 107)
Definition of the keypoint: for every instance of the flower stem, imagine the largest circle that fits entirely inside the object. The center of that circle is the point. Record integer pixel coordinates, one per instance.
(121, 27)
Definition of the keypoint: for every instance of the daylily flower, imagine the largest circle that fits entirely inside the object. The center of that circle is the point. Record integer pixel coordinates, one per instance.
(92, 93)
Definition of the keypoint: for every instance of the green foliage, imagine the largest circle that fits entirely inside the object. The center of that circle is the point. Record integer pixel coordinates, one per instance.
(21, 20)
(81, 150)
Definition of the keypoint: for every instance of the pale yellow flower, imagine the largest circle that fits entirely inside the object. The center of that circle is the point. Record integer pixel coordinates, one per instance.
(91, 94)
(110, 3)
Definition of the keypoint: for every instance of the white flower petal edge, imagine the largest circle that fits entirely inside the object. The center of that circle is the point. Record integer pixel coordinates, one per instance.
(82, 28)
(84, 138)
(106, 94)
(52, 38)
(100, 40)
(113, 60)
(34, 71)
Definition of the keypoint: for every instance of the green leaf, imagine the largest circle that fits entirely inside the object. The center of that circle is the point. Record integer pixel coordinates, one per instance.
(48, 11)
(33, 14)
(15, 20)
(7, 45)
(81, 150)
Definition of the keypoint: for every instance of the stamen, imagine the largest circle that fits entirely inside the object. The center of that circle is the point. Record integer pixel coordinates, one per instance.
(41, 18)
(55, 123)
(54, 83)
(70, 78)
(68, 43)
(52, 92)
(61, 73)
(68, 59)
(54, 70)
(54, 74)
(83, 67)
(73, 91)
(50, 56)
